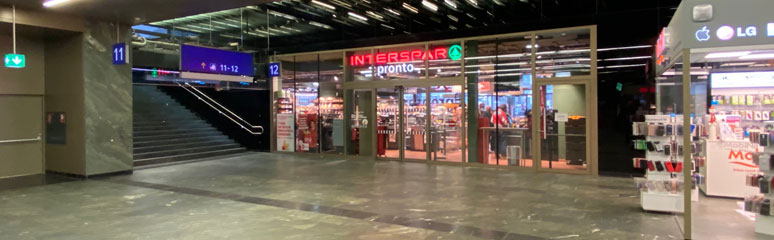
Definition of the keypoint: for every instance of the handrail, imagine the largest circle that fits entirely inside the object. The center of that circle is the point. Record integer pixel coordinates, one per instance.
(221, 112)
(22, 140)
(221, 106)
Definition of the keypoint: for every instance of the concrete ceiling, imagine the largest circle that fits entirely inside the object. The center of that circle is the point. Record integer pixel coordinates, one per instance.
(134, 11)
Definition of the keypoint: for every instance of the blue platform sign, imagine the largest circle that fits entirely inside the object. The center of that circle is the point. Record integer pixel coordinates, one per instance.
(120, 54)
(215, 61)
(274, 69)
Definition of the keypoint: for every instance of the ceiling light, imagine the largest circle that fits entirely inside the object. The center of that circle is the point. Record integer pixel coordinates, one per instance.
(727, 54)
(233, 44)
(759, 56)
(322, 4)
(374, 15)
(316, 24)
(623, 48)
(473, 2)
(340, 3)
(450, 3)
(410, 8)
(357, 17)
(453, 18)
(52, 3)
(388, 26)
(393, 12)
(429, 5)
(625, 58)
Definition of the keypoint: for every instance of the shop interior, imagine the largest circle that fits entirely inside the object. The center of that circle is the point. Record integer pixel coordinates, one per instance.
(732, 100)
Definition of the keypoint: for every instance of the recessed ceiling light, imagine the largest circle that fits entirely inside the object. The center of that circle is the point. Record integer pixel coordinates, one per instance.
(52, 3)
(393, 12)
(410, 8)
(450, 3)
(357, 17)
(758, 56)
(429, 5)
(727, 54)
(322, 4)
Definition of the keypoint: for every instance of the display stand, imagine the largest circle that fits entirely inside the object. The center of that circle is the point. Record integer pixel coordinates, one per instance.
(725, 167)
(660, 190)
(764, 220)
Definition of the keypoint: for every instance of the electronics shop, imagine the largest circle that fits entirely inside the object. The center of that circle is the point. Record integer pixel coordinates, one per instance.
(712, 134)
(521, 100)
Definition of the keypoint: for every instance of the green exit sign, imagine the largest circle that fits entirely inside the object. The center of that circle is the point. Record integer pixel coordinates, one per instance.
(15, 61)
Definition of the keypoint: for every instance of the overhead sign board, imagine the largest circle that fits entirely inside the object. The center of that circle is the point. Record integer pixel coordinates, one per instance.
(215, 61)
(120, 54)
(15, 61)
(274, 69)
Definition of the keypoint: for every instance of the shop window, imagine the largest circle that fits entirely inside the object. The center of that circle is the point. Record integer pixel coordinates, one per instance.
(447, 62)
(406, 62)
(331, 103)
(284, 107)
(359, 65)
(307, 103)
(563, 54)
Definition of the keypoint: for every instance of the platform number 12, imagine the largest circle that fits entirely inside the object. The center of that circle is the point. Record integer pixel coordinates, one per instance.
(274, 70)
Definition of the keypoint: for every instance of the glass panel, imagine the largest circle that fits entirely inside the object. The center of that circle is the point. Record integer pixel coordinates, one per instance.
(306, 98)
(387, 125)
(563, 54)
(480, 59)
(403, 62)
(361, 138)
(415, 114)
(359, 63)
(331, 104)
(563, 133)
(448, 60)
(445, 123)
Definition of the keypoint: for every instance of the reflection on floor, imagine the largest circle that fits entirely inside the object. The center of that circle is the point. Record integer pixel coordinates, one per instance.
(280, 196)
(456, 156)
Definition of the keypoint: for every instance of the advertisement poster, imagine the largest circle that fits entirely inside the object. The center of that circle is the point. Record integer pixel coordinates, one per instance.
(285, 133)
(307, 132)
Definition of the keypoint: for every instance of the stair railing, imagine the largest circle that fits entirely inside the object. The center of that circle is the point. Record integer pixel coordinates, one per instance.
(249, 128)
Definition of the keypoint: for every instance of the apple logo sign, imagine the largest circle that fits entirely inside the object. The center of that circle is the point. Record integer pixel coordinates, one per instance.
(725, 33)
(703, 34)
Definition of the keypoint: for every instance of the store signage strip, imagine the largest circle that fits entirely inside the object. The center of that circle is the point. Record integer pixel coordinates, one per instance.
(453, 53)
(728, 32)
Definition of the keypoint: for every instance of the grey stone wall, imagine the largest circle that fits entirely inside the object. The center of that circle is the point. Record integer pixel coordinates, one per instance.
(108, 101)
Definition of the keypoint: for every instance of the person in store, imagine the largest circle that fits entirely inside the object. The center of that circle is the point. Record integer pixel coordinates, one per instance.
(487, 114)
(501, 119)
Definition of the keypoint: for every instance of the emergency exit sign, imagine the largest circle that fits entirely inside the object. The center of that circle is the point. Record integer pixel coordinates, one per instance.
(15, 61)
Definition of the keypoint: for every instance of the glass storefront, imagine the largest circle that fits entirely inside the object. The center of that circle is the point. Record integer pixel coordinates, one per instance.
(522, 100)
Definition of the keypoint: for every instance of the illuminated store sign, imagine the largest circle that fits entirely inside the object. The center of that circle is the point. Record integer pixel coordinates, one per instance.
(742, 80)
(454, 53)
(661, 46)
(728, 32)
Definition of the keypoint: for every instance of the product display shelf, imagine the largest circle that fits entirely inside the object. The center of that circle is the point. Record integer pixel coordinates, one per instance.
(764, 223)
(654, 198)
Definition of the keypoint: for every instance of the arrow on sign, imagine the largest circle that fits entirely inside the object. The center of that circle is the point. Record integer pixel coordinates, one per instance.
(16, 60)
(204, 65)
(7, 60)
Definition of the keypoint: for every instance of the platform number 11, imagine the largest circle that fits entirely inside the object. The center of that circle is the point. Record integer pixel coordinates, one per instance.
(120, 54)
(274, 69)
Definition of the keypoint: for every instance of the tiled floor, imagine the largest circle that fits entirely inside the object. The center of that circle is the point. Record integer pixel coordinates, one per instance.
(278, 196)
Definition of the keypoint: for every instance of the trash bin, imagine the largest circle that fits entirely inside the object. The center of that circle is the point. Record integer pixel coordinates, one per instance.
(514, 155)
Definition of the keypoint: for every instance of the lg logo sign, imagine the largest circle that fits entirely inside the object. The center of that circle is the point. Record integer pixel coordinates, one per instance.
(726, 33)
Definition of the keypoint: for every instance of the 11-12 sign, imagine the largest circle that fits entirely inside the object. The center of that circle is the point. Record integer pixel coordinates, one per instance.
(120, 54)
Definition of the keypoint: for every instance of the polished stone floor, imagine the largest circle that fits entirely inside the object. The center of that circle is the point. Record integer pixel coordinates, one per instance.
(277, 196)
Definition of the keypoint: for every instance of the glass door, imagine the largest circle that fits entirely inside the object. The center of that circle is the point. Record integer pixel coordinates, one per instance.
(563, 128)
(415, 123)
(388, 123)
(446, 121)
(360, 140)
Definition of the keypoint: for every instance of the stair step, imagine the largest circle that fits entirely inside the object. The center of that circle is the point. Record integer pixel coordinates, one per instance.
(172, 127)
(160, 123)
(185, 157)
(151, 143)
(174, 132)
(156, 148)
(177, 136)
(171, 152)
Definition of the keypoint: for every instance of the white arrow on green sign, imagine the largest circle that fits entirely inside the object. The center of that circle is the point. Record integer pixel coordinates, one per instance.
(15, 61)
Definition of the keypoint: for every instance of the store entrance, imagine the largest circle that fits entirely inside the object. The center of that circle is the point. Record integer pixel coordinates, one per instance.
(563, 129)
(420, 123)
